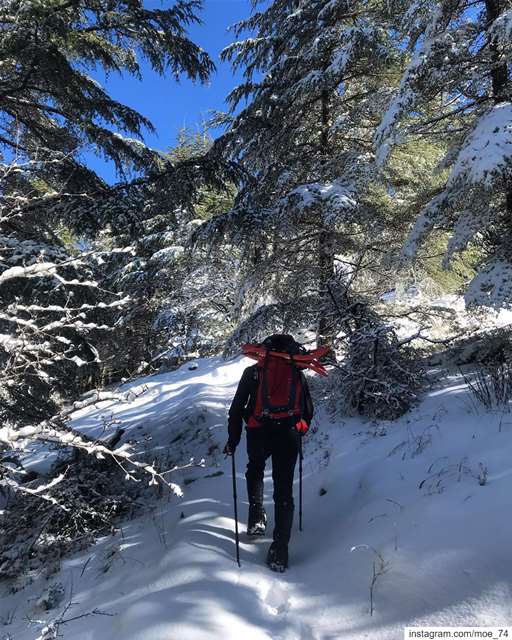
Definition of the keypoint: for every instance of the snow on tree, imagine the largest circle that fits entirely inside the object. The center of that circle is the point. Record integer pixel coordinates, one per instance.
(457, 88)
(55, 309)
(305, 222)
(304, 141)
(176, 309)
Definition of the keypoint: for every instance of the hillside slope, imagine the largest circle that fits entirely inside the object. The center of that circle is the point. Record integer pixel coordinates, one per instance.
(415, 491)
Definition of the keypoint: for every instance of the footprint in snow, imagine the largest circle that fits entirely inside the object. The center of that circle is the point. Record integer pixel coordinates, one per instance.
(277, 602)
(276, 599)
(297, 631)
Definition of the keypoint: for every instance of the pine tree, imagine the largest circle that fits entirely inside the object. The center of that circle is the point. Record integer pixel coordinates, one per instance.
(457, 88)
(304, 139)
(50, 109)
(54, 307)
(176, 310)
(48, 100)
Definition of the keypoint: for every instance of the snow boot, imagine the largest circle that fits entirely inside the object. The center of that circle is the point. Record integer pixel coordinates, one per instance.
(257, 522)
(277, 557)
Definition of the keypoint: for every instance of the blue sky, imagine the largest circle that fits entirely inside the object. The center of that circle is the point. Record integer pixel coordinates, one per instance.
(171, 105)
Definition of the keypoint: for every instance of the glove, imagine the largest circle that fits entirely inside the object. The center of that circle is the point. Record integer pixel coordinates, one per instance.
(229, 449)
(302, 426)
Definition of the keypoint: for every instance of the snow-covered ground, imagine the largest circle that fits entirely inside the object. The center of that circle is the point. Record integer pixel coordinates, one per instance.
(429, 494)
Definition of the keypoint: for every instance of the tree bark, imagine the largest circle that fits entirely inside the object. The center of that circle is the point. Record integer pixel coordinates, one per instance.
(326, 238)
(500, 87)
(499, 74)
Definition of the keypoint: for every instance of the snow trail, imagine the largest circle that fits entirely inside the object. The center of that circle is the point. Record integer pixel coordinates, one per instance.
(408, 490)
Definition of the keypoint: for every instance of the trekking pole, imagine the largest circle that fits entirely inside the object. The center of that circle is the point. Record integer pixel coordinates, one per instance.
(237, 539)
(300, 483)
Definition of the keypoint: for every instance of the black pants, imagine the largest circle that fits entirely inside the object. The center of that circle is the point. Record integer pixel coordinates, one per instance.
(282, 443)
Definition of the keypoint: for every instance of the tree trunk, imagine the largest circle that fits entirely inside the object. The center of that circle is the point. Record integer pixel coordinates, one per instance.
(499, 74)
(500, 85)
(326, 240)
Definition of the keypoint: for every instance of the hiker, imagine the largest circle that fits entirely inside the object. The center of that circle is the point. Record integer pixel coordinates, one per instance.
(274, 401)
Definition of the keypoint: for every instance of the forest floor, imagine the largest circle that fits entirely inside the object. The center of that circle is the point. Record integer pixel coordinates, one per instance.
(425, 499)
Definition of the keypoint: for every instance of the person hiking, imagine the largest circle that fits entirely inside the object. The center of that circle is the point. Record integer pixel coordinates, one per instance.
(274, 401)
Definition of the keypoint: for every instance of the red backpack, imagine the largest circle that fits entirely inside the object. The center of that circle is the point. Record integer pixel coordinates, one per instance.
(280, 392)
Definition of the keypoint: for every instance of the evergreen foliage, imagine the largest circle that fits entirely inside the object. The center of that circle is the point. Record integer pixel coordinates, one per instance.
(311, 217)
(358, 127)
(456, 87)
(59, 320)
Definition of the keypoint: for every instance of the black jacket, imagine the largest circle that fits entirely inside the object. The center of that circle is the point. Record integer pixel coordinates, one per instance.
(244, 402)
